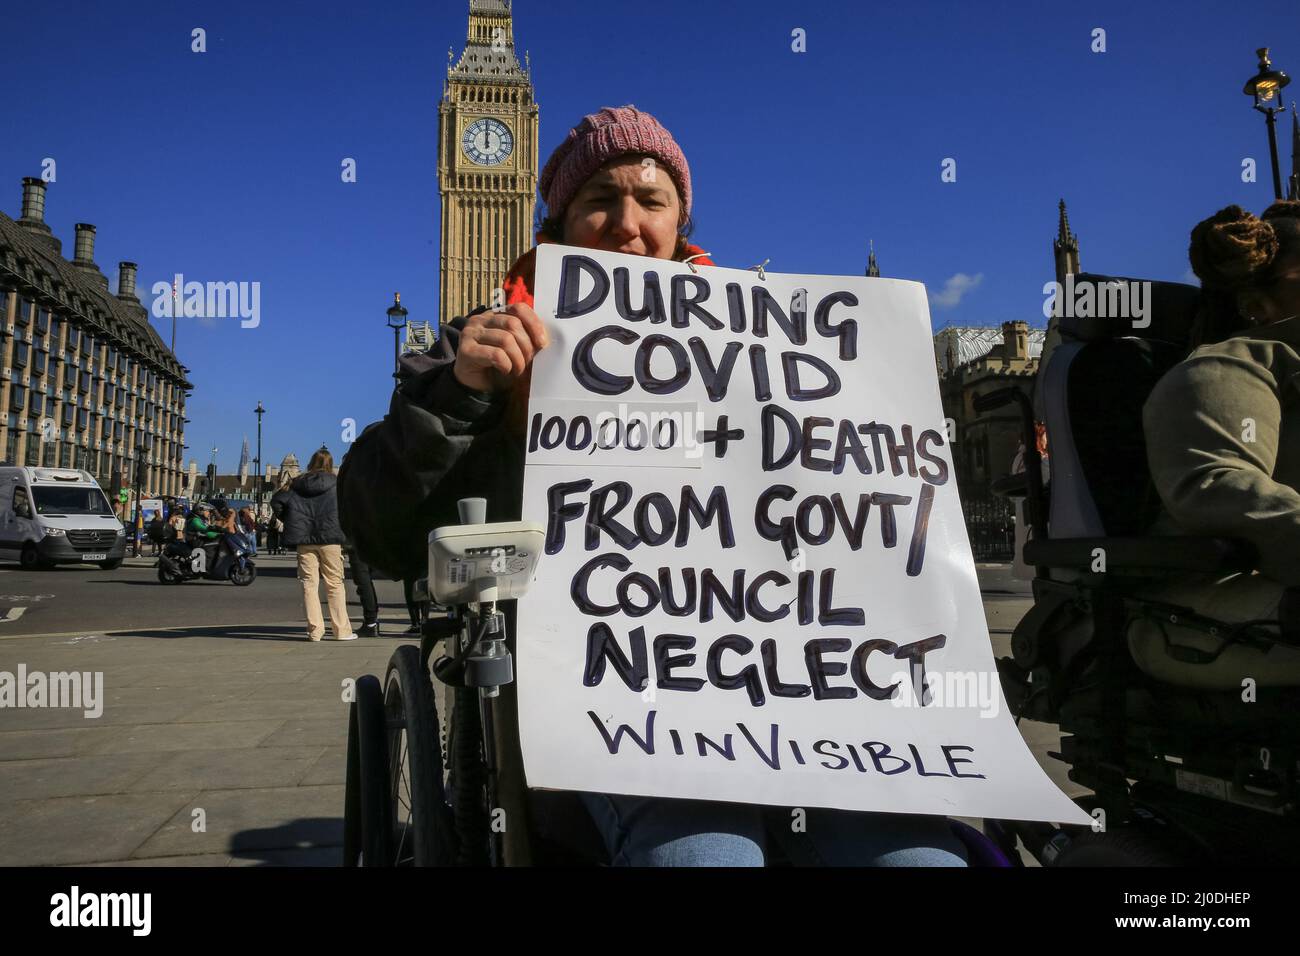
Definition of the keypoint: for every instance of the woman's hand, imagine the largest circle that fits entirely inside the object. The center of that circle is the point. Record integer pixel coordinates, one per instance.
(496, 348)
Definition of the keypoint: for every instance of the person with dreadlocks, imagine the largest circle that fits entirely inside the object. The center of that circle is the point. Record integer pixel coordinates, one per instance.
(1223, 443)
(619, 182)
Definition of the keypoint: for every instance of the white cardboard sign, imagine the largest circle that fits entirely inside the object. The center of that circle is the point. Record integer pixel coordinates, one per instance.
(757, 584)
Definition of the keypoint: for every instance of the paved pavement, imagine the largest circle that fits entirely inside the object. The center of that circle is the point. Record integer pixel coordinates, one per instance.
(221, 742)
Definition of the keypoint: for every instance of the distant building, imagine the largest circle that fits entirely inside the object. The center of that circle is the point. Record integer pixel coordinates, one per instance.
(974, 360)
(241, 484)
(86, 380)
(288, 465)
(971, 362)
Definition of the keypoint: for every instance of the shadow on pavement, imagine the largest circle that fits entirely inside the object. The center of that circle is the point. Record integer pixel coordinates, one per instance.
(307, 841)
(251, 632)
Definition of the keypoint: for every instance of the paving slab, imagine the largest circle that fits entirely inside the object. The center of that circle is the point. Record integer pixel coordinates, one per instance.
(198, 860)
(72, 776)
(64, 742)
(330, 767)
(307, 731)
(264, 709)
(240, 821)
(216, 735)
(246, 768)
(83, 829)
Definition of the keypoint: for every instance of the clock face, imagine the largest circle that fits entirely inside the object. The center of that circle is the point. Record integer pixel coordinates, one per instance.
(487, 142)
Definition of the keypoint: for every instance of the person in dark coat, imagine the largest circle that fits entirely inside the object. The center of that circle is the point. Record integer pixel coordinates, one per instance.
(456, 428)
(276, 544)
(311, 525)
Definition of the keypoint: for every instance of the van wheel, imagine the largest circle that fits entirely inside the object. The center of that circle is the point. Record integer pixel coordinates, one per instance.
(111, 565)
(31, 561)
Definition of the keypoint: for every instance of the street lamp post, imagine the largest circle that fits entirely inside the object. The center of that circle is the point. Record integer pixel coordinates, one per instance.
(259, 411)
(1262, 87)
(135, 522)
(396, 322)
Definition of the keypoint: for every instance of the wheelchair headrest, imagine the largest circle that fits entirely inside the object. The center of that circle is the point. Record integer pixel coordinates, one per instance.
(1092, 302)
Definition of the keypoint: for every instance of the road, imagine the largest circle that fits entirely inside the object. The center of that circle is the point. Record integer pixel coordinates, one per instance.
(223, 731)
(80, 598)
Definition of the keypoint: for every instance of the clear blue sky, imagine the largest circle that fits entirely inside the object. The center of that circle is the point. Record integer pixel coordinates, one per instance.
(225, 165)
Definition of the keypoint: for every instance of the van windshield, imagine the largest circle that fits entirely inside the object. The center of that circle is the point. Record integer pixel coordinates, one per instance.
(80, 500)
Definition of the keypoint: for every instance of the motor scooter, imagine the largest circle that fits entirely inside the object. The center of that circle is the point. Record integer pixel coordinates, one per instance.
(227, 560)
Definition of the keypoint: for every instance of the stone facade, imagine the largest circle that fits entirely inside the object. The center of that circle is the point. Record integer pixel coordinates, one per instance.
(970, 364)
(87, 381)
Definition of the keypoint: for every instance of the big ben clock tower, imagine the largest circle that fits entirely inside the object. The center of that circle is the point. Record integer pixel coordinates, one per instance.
(487, 162)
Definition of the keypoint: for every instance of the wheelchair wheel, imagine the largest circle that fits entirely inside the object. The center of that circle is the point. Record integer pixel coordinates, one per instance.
(1123, 847)
(367, 826)
(419, 815)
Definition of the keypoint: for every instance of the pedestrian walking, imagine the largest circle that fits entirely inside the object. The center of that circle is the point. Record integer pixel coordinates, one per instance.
(363, 579)
(413, 609)
(277, 513)
(248, 528)
(157, 533)
(177, 521)
(311, 526)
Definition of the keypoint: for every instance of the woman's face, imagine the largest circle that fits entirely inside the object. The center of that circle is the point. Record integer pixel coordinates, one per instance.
(629, 205)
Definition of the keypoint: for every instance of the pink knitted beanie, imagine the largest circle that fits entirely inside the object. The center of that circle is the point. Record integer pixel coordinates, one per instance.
(602, 136)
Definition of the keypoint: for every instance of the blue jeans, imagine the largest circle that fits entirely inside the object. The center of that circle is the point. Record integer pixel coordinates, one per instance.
(655, 831)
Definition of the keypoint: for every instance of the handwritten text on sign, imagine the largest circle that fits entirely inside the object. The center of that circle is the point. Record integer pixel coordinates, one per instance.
(757, 584)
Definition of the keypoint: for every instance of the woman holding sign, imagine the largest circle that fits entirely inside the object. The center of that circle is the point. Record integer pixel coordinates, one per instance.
(618, 183)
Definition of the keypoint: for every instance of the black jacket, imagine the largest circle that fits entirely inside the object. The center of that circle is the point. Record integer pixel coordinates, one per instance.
(401, 479)
(438, 443)
(310, 511)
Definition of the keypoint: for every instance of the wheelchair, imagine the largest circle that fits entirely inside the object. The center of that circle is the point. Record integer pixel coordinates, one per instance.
(1178, 776)
(421, 791)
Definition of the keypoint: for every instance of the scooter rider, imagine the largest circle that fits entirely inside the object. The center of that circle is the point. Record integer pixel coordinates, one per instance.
(198, 529)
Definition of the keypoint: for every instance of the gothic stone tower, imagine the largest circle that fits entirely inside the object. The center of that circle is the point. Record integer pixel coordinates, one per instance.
(1065, 253)
(487, 161)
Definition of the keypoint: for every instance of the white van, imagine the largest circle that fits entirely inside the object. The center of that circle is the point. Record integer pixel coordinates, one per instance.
(57, 516)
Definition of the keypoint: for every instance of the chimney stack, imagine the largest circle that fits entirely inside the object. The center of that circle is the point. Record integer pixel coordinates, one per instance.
(84, 246)
(33, 200)
(126, 281)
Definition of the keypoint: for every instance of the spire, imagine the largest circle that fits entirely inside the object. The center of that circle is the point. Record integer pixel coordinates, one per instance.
(1065, 248)
(489, 53)
(873, 268)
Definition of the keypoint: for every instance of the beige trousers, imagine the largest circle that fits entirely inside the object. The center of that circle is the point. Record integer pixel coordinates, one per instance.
(317, 561)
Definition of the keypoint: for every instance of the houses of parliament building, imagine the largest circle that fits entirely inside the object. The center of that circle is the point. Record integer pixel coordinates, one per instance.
(85, 380)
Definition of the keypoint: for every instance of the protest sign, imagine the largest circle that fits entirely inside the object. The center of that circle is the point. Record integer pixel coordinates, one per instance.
(757, 584)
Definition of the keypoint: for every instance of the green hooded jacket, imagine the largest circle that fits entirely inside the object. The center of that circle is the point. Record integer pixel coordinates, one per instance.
(1223, 443)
